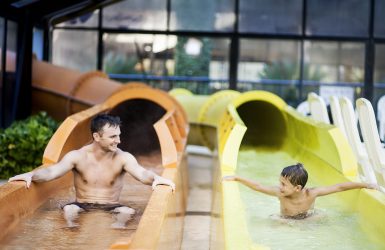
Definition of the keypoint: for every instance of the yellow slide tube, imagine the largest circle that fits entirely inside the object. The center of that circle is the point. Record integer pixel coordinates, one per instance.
(322, 148)
(262, 120)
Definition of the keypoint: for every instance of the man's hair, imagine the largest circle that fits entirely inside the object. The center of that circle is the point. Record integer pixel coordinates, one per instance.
(296, 174)
(99, 121)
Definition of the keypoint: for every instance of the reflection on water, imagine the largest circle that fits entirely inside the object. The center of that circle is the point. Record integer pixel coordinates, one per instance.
(329, 228)
(46, 228)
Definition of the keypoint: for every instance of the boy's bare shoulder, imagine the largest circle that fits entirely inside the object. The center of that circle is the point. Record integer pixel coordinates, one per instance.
(311, 192)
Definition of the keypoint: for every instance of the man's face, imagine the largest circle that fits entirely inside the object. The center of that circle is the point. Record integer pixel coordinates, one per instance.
(109, 138)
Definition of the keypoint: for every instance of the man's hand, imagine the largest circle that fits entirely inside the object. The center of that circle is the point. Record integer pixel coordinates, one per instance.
(27, 177)
(158, 180)
(229, 178)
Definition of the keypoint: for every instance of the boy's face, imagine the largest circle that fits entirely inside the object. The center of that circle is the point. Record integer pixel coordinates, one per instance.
(286, 187)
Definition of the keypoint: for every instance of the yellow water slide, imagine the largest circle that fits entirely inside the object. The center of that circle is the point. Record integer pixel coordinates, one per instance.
(154, 129)
(259, 134)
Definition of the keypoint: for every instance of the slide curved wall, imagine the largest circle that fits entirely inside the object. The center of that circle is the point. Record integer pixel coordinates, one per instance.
(261, 123)
(154, 128)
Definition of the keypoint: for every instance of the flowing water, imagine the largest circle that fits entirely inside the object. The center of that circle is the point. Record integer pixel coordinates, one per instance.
(330, 228)
(47, 229)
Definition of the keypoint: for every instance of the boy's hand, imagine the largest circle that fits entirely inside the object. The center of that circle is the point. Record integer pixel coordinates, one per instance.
(373, 186)
(229, 178)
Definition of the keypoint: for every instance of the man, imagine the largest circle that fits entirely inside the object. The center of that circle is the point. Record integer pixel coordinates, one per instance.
(98, 173)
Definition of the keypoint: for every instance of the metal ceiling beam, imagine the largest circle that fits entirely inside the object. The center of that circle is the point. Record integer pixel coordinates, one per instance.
(23, 3)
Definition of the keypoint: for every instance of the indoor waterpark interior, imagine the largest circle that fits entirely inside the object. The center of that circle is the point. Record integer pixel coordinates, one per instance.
(215, 100)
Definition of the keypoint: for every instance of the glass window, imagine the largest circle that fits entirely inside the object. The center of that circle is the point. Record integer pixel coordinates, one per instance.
(11, 36)
(334, 67)
(197, 63)
(8, 86)
(271, 65)
(90, 19)
(332, 62)
(144, 54)
(379, 18)
(379, 65)
(337, 18)
(11, 46)
(75, 49)
(136, 14)
(38, 40)
(1, 44)
(205, 61)
(202, 15)
(270, 17)
(379, 78)
(1, 66)
(379, 72)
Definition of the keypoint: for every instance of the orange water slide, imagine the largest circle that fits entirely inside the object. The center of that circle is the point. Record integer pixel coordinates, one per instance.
(154, 129)
(62, 92)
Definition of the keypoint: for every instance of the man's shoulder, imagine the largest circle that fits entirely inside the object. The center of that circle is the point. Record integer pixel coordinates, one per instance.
(126, 157)
(120, 152)
(78, 153)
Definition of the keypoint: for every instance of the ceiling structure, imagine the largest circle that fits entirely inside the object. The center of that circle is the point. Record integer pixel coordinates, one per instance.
(41, 12)
(15, 87)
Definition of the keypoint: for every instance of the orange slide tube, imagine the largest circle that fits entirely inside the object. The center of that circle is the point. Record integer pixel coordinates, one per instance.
(152, 121)
(62, 92)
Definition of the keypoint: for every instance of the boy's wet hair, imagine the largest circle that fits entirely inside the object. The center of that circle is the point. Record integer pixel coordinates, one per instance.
(296, 174)
(100, 120)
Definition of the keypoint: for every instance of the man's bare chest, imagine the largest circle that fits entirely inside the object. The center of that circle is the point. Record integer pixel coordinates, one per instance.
(98, 173)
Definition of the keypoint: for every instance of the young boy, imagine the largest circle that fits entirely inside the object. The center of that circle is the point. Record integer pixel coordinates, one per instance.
(295, 199)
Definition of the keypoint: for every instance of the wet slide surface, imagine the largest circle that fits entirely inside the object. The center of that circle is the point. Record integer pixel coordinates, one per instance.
(333, 226)
(46, 228)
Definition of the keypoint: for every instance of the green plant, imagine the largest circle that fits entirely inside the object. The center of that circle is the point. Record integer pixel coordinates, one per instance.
(193, 65)
(23, 143)
(288, 70)
(120, 64)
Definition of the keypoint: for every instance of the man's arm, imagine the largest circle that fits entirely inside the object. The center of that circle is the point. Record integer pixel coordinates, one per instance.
(269, 190)
(320, 191)
(48, 173)
(132, 166)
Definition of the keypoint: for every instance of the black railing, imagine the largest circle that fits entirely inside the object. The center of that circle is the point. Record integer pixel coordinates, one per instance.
(206, 85)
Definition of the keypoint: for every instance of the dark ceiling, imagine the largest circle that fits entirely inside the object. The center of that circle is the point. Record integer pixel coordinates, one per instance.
(41, 12)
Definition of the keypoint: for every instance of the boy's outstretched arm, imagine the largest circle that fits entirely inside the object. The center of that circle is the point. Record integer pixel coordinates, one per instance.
(269, 190)
(320, 191)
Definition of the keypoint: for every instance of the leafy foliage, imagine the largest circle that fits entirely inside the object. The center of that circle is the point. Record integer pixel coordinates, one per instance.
(120, 64)
(22, 144)
(193, 65)
(288, 70)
